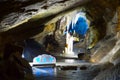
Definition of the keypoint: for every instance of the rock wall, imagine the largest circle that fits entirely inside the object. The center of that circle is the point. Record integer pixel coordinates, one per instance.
(13, 66)
(108, 47)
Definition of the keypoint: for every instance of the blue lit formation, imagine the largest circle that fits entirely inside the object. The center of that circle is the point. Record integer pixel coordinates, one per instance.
(79, 24)
(44, 59)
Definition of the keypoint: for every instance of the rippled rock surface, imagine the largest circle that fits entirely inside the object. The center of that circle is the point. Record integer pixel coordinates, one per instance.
(109, 74)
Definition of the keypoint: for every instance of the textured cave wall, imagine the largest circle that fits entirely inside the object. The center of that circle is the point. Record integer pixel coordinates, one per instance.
(100, 13)
(114, 30)
(106, 48)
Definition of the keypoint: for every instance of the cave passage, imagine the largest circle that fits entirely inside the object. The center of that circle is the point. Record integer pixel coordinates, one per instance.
(75, 34)
(49, 65)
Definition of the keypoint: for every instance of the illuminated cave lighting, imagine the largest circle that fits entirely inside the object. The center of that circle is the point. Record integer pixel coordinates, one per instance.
(78, 25)
(69, 60)
(44, 59)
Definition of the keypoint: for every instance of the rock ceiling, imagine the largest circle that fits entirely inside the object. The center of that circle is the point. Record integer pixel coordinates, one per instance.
(21, 15)
(30, 15)
(15, 13)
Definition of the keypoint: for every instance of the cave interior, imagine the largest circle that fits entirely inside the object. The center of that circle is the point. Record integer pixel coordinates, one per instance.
(60, 40)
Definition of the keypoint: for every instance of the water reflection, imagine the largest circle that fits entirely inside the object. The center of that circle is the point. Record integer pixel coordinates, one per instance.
(43, 71)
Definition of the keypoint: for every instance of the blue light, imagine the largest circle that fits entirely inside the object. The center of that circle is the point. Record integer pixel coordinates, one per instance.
(79, 24)
(43, 71)
(44, 59)
(38, 59)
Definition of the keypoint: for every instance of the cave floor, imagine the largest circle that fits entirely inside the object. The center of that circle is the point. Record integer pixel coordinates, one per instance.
(65, 69)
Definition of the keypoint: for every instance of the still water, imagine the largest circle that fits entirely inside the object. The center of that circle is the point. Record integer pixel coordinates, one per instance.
(44, 73)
